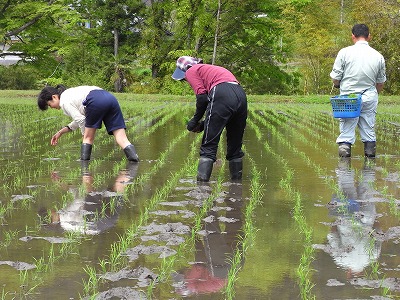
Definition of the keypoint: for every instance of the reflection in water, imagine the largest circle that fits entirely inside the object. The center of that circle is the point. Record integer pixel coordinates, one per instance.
(350, 242)
(208, 274)
(96, 211)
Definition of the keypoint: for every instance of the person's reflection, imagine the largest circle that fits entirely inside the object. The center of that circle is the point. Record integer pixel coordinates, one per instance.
(95, 211)
(351, 243)
(209, 273)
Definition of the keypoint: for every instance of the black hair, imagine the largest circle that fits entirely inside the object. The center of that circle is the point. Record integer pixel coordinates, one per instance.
(47, 93)
(360, 30)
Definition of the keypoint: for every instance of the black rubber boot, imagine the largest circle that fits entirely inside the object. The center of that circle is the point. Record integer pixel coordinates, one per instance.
(236, 168)
(85, 168)
(204, 169)
(344, 150)
(369, 149)
(86, 151)
(131, 154)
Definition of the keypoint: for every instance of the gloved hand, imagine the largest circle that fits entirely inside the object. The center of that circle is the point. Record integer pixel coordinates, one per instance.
(191, 124)
(199, 127)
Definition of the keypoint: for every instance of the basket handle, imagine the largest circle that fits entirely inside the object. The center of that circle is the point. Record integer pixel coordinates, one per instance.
(333, 85)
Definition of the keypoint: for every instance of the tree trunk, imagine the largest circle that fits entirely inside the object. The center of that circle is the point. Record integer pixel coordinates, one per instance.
(116, 42)
(216, 33)
(119, 79)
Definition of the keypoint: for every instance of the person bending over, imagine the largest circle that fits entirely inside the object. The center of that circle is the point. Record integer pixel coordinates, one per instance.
(89, 107)
(223, 101)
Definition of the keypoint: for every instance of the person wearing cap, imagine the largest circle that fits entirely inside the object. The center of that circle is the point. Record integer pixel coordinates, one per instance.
(89, 107)
(223, 102)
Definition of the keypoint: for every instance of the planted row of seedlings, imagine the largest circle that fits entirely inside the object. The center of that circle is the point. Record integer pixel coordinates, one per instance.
(320, 171)
(117, 259)
(45, 255)
(282, 125)
(49, 263)
(170, 263)
(304, 271)
(249, 231)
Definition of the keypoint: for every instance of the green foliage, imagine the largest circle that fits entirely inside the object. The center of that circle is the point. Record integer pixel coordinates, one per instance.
(171, 86)
(384, 25)
(156, 41)
(18, 77)
(276, 47)
(311, 25)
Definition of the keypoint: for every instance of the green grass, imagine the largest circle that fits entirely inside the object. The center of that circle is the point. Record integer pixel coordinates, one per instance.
(24, 96)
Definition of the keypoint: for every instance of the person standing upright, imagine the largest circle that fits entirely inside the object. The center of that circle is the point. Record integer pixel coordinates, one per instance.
(223, 101)
(359, 69)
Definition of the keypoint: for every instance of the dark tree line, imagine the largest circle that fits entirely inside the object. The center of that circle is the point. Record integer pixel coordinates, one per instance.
(272, 46)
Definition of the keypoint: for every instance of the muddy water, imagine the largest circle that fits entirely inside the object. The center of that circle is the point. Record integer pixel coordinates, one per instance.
(175, 238)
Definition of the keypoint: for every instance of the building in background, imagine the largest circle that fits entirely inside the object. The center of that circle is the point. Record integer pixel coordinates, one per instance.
(8, 58)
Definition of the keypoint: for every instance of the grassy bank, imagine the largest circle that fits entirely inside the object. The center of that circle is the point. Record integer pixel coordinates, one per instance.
(14, 96)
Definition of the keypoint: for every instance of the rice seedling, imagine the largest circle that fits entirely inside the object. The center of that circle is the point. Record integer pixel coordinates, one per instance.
(4, 294)
(5, 209)
(103, 265)
(26, 290)
(386, 292)
(290, 155)
(71, 245)
(40, 265)
(303, 270)
(8, 237)
(90, 286)
(249, 232)
(23, 278)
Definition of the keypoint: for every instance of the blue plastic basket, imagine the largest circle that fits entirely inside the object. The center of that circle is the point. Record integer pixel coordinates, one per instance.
(346, 106)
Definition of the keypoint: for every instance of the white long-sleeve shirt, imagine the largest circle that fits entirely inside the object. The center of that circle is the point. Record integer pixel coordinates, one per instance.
(358, 67)
(71, 104)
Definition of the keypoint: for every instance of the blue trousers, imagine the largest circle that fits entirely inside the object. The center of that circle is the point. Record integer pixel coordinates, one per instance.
(102, 107)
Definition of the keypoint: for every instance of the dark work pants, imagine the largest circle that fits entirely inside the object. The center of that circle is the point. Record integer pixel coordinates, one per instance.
(227, 109)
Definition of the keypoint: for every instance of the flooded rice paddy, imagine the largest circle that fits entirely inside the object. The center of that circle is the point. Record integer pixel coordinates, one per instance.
(301, 224)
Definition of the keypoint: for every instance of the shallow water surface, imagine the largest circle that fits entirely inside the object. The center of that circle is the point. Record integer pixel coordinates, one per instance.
(301, 224)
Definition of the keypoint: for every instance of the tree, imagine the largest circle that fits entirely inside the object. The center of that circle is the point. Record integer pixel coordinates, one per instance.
(39, 27)
(240, 35)
(251, 45)
(115, 26)
(85, 41)
(384, 25)
(312, 25)
(156, 30)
